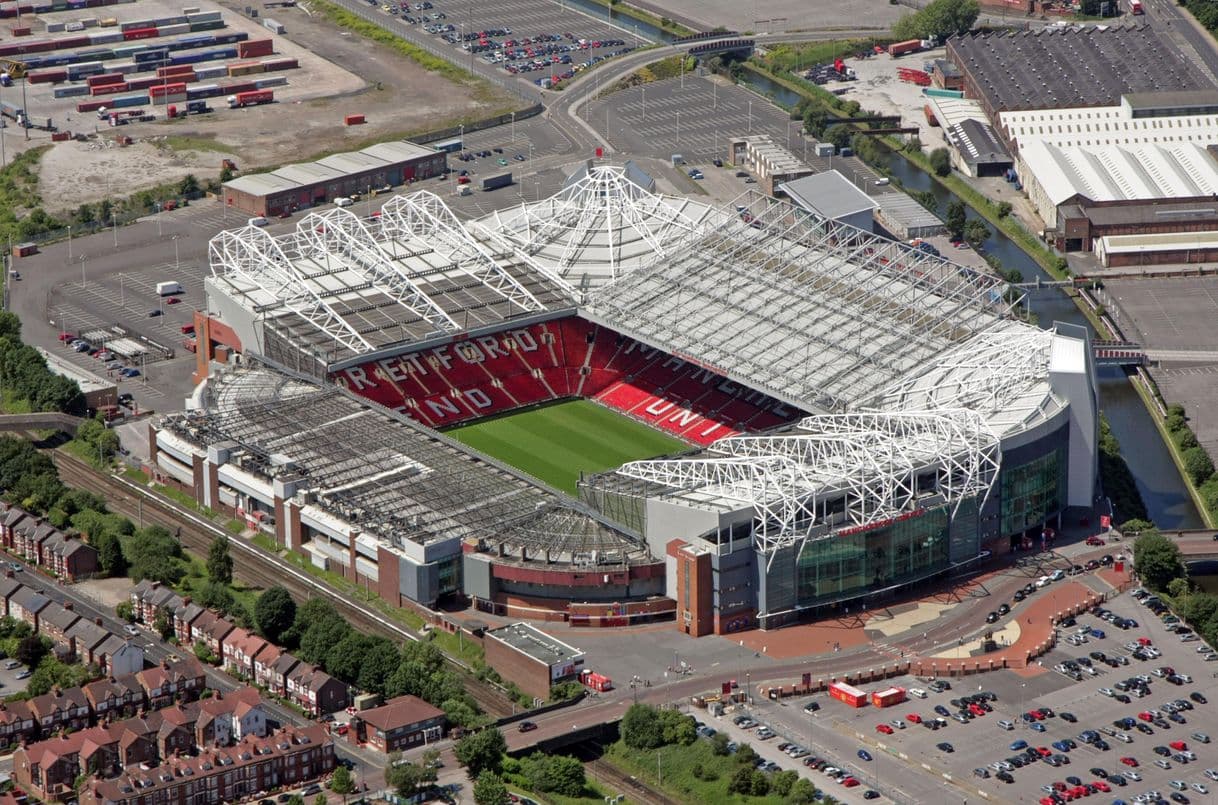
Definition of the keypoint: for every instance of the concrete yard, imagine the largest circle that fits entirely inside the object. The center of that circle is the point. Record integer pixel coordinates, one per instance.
(1176, 314)
(779, 15)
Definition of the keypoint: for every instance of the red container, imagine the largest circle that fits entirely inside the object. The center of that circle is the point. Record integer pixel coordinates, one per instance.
(901, 48)
(270, 65)
(353, 120)
(105, 78)
(162, 88)
(89, 106)
(140, 33)
(109, 89)
(61, 136)
(174, 69)
(237, 89)
(848, 694)
(258, 47)
(253, 98)
(47, 77)
(889, 697)
(21, 32)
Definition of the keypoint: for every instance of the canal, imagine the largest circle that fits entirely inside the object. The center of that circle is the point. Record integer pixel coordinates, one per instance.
(1163, 489)
(641, 29)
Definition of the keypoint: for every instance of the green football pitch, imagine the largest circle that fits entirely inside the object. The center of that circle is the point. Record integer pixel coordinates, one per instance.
(556, 442)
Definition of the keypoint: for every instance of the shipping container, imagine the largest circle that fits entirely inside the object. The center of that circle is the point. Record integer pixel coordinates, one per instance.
(213, 25)
(254, 98)
(104, 78)
(90, 106)
(146, 56)
(595, 681)
(167, 89)
(72, 91)
(848, 694)
(231, 39)
(106, 37)
(888, 697)
(274, 26)
(132, 25)
(271, 81)
(173, 30)
(204, 91)
(140, 33)
(354, 120)
(161, 22)
(175, 69)
(255, 47)
(47, 77)
(206, 73)
(279, 64)
(496, 182)
(109, 89)
(901, 48)
(128, 101)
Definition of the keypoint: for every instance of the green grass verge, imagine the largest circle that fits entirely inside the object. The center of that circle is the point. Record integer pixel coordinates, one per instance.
(85, 453)
(346, 19)
(181, 142)
(676, 765)
(554, 443)
(234, 526)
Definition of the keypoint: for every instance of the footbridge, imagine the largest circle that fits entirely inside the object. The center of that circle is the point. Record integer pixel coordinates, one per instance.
(16, 423)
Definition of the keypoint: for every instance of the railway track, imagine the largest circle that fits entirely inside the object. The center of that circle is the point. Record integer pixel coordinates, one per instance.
(618, 782)
(253, 566)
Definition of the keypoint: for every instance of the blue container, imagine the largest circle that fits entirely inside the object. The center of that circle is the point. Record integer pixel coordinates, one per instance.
(158, 55)
(127, 101)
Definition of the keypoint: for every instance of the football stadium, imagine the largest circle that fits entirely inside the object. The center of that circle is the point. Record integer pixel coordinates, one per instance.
(614, 405)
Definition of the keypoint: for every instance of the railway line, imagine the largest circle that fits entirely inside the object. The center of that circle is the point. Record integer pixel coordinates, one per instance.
(618, 782)
(253, 566)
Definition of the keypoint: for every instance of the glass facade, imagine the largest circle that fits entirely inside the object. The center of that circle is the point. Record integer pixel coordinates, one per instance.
(1032, 492)
(905, 550)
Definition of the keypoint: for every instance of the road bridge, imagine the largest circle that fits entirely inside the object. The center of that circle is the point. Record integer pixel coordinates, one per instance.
(25, 423)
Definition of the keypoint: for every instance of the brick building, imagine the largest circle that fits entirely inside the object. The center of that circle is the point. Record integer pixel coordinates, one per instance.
(399, 724)
(531, 658)
(315, 690)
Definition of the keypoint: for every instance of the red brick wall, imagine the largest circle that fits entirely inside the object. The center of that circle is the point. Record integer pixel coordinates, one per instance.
(530, 676)
(388, 572)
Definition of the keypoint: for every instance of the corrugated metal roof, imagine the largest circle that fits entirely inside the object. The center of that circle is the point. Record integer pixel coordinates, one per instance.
(830, 194)
(308, 173)
(398, 151)
(261, 184)
(353, 162)
(1121, 174)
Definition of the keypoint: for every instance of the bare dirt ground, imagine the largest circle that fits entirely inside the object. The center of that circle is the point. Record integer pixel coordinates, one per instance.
(780, 15)
(75, 173)
(399, 98)
(107, 592)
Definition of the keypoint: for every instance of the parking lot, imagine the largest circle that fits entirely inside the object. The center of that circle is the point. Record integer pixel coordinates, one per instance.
(536, 40)
(915, 760)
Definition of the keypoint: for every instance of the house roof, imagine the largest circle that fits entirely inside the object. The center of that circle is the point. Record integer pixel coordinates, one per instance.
(401, 712)
(30, 600)
(87, 633)
(212, 625)
(61, 700)
(59, 616)
(8, 586)
(114, 644)
(188, 612)
(285, 663)
(13, 515)
(15, 711)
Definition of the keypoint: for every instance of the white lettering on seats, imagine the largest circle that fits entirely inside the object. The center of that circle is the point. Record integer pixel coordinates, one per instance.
(478, 397)
(440, 356)
(392, 370)
(468, 351)
(491, 347)
(442, 407)
(684, 417)
(524, 339)
(359, 378)
(659, 407)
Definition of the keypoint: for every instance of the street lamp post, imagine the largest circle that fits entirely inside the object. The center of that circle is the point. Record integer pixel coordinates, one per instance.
(69, 241)
(83, 258)
(177, 262)
(158, 220)
(750, 117)
(644, 104)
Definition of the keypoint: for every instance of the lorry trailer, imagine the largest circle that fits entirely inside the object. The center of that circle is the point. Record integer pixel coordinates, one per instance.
(254, 98)
(496, 182)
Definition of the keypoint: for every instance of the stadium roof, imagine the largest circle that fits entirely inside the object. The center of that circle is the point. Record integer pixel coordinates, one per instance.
(599, 227)
(948, 419)
(385, 474)
(776, 298)
(344, 287)
(805, 312)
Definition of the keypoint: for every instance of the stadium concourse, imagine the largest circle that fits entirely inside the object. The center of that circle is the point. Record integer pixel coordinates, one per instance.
(860, 416)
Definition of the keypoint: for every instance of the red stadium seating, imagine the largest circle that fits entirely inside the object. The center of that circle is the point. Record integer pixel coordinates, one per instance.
(569, 357)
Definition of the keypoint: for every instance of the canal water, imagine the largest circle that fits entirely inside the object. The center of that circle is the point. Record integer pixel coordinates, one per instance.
(642, 30)
(1157, 477)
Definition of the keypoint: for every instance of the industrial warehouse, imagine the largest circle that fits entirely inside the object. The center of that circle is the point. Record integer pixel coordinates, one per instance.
(301, 186)
(860, 416)
(1114, 154)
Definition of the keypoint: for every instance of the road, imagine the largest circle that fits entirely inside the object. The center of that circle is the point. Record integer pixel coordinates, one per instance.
(1182, 29)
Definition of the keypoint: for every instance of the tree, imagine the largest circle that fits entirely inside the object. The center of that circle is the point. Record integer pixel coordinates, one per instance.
(815, 122)
(940, 19)
(1197, 464)
(760, 783)
(316, 643)
(406, 778)
(163, 623)
(1004, 209)
(296, 799)
(274, 613)
(219, 562)
(151, 553)
(839, 134)
(1156, 560)
(341, 782)
(976, 232)
(346, 657)
(802, 792)
(490, 790)
(746, 755)
(1178, 588)
(31, 650)
(110, 555)
(481, 751)
(189, 185)
(321, 799)
(783, 781)
(381, 660)
(941, 162)
(1198, 609)
(125, 611)
(742, 781)
(677, 728)
(641, 727)
(955, 219)
(554, 773)
(719, 742)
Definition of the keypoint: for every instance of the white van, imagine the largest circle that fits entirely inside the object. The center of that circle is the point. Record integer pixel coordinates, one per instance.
(917, 693)
(1006, 725)
(258, 221)
(464, 190)
(343, 201)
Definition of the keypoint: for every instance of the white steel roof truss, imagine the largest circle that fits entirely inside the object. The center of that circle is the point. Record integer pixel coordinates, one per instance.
(255, 256)
(340, 231)
(424, 214)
